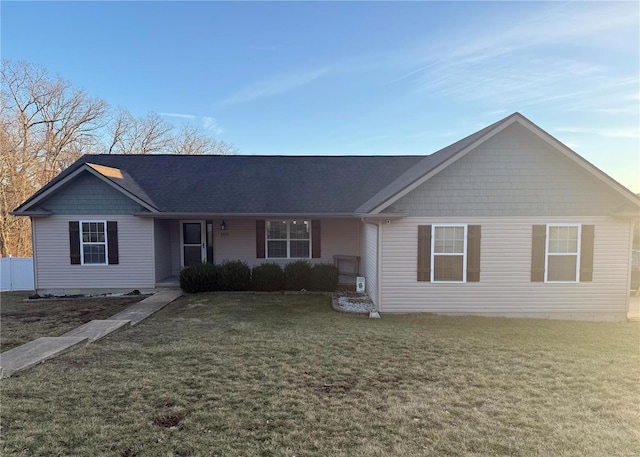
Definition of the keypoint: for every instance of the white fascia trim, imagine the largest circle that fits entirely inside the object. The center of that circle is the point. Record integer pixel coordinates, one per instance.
(442, 166)
(275, 216)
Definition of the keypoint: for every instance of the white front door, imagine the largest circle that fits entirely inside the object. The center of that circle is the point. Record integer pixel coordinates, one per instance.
(193, 243)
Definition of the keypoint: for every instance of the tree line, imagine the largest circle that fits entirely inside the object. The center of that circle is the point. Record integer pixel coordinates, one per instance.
(46, 124)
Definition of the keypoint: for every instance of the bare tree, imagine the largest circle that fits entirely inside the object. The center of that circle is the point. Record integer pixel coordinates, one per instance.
(46, 125)
(145, 135)
(192, 141)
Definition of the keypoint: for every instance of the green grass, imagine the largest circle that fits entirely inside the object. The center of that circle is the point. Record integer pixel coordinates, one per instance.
(271, 375)
(23, 320)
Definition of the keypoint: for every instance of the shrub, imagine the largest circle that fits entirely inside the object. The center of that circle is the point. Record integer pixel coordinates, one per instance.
(297, 275)
(324, 277)
(234, 275)
(203, 277)
(267, 277)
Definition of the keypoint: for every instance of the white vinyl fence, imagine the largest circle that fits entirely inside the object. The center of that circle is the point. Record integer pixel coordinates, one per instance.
(16, 273)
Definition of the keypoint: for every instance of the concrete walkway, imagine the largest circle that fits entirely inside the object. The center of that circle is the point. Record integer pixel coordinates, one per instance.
(41, 349)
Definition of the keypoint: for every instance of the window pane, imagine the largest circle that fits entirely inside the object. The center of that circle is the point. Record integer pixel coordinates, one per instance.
(94, 253)
(192, 255)
(563, 240)
(299, 249)
(93, 232)
(277, 230)
(449, 240)
(191, 233)
(277, 249)
(562, 268)
(299, 230)
(447, 267)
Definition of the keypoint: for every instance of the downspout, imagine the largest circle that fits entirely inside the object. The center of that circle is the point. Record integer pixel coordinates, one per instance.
(33, 254)
(378, 262)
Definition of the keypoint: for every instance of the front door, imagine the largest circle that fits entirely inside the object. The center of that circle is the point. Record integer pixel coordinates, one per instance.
(193, 243)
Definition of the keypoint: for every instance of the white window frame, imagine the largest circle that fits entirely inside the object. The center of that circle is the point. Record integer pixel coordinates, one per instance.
(464, 253)
(288, 239)
(106, 244)
(547, 254)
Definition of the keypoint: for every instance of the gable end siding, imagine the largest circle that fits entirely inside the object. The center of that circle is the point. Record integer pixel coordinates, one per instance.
(88, 195)
(514, 173)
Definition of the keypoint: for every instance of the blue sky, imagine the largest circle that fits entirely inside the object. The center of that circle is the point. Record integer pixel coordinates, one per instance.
(353, 78)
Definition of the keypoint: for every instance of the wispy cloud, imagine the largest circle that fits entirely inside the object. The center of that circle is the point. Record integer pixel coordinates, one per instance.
(210, 124)
(522, 64)
(629, 132)
(275, 85)
(179, 115)
(207, 123)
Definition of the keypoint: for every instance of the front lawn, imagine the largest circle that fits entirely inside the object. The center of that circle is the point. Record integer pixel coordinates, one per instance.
(272, 375)
(24, 320)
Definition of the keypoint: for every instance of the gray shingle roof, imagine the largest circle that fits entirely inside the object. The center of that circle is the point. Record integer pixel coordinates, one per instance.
(276, 184)
(250, 184)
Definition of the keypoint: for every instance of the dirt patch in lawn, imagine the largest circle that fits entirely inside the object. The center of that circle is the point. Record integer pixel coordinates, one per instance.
(24, 320)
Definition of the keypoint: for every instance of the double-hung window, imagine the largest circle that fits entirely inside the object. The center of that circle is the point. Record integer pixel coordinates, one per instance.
(449, 253)
(563, 253)
(93, 242)
(289, 239)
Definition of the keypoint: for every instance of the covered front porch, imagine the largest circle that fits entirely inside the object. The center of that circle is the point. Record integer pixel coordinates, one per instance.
(180, 242)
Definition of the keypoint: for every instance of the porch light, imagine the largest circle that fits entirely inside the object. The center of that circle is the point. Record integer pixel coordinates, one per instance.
(223, 226)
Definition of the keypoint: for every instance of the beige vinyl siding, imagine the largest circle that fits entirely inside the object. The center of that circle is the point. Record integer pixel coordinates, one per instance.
(162, 241)
(56, 274)
(339, 237)
(369, 260)
(505, 287)
(514, 173)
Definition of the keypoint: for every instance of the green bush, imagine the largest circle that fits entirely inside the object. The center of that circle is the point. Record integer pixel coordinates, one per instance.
(297, 275)
(203, 277)
(267, 277)
(234, 275)
(324, 277)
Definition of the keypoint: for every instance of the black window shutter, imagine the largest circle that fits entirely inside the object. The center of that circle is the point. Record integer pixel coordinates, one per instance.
(424, 253)
(74, 242)
(473, 253)
(316, 239)
(586, 253)
(112, 242)
(260, 239)
(538, 248)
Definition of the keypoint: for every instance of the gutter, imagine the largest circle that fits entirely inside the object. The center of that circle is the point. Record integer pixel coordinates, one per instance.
(378, 227)
(194, 215)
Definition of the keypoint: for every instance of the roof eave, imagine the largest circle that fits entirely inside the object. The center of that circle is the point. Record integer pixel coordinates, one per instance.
(217, 215)
(34, 213)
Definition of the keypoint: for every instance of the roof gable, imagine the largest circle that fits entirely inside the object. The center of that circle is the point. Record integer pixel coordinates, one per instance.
(115, 178)
(513, 174)
(434, 163)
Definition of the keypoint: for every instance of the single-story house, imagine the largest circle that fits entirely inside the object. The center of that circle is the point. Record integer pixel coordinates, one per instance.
(507, 221)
